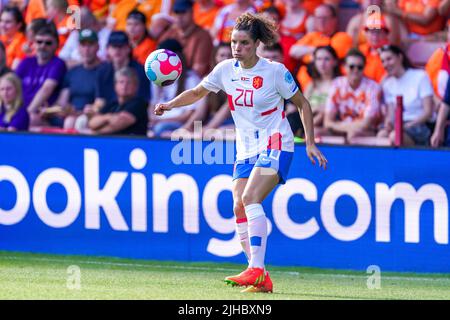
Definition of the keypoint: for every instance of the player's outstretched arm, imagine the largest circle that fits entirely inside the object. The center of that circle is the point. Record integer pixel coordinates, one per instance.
(306, 115)
(183, 99)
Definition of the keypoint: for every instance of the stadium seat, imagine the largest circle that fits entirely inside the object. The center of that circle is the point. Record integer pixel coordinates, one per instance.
(420, 51)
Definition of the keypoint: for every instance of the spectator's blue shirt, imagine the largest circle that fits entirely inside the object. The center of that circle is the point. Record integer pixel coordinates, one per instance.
(104, 87)
(81, 84)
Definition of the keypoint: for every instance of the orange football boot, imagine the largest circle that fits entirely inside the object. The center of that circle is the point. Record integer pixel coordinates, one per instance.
(248, 277)
(266, 286)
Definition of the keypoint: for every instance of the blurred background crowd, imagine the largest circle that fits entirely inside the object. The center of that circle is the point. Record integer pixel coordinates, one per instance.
(76, 66)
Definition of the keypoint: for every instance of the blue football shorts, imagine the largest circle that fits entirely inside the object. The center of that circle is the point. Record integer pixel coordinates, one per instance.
(278, 160)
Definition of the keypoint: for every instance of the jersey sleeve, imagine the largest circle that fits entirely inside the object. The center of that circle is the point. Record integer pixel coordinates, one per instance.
(213, 81)
(284, 82)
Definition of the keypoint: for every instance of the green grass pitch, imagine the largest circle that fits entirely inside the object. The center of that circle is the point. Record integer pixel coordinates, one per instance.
(38, 276)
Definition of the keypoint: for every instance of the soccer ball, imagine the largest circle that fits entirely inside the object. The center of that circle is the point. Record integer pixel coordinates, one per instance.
(163, 67)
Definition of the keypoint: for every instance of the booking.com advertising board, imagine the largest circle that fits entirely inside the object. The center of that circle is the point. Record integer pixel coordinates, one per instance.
(171, 200)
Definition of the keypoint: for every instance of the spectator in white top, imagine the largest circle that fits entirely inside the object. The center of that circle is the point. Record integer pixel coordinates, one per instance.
(415, 87)
(353, 104)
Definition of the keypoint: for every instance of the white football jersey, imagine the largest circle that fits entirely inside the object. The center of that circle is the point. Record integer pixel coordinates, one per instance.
(256, 100)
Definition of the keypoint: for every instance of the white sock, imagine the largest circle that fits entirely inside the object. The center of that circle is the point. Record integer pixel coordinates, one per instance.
(257, 232)
(242, 230)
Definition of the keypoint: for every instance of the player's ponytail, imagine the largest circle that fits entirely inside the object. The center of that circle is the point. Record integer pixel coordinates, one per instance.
(258, 26)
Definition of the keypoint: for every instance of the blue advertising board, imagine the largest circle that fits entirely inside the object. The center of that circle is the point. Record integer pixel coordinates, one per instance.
(171, 200)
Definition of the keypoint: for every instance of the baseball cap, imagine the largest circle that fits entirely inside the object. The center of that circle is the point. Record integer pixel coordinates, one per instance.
(88, 35)
(117, 39)
(182, 5)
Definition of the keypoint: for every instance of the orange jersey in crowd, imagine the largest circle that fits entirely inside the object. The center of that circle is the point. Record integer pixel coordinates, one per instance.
(34, 10)
(147, 7)
(296, 32)
(434, 65)
(419, 6)
(354, 104)
(205, 18)
(374, 68)
(99, 8)
(13, 47)
(143, 49)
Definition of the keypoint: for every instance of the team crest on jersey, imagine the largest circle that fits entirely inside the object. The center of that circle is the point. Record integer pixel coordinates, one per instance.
(257, 82)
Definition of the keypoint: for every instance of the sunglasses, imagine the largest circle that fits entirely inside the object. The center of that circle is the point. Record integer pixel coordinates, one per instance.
(356, 66)
(47, 43)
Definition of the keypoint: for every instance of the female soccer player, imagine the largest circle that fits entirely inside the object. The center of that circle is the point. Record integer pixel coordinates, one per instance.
(256, 90)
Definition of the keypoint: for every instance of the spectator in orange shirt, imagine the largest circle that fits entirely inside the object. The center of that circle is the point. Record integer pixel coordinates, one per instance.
(353, 105)
(12, 27)
(421, 16)
(141, 43)
(205, 12)
(356, 26)
(294, 21)
(35, 9)
(377, 35)
(438, 67)
(325, 24)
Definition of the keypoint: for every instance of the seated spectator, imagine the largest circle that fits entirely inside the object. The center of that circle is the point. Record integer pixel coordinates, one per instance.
(205, 12)
(3, 68)
(12, 28)
(79, 82)
(324, 69)
(353, 105)
(137, 33)
(41, 77)
(438, 67)
(325, 22)
(13, 114)
(420, 16)
(441, 134)
(196, 42)
(119, 10)
(356, 27)
(415, 87)
(226, 19)
(377, 33)
(70, 53)
(165, 124)
(28, 47)
(293, 23)
(119, 52)
(128, 114)
(285, 41)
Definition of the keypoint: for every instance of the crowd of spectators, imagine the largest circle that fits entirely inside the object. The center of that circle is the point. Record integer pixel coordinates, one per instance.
(76, 66)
